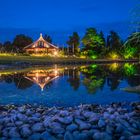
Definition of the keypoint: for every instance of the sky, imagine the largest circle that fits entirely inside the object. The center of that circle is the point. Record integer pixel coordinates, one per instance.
(59, 18)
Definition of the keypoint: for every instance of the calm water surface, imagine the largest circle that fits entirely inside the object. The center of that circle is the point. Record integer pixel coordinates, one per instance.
(69, 85)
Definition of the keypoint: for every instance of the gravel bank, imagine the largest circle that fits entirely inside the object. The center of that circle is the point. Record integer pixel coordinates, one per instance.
(117, 121)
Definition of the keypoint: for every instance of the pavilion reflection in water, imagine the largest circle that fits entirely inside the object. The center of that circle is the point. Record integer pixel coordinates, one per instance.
(42, 77)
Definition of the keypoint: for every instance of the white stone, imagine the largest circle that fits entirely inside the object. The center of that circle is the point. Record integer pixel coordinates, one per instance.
(54, 124)
(68, 136)
(83, 125)
(63, 113)
(46, 136)
(38, 127)
(35, 136)
(25, 131)
(21, 109)
(66, 120)
(47, 121)
(101, 123)
(13, 133)
(135, 137)
(21, 117)
(101, 136)
(88, 114)
(72, 127)
(58, 130)
(18, 123)
(106, 115)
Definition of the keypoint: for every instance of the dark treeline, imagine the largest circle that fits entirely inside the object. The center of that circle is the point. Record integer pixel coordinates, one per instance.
(93, 45)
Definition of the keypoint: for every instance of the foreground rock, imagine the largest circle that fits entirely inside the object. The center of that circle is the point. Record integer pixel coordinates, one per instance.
(117, 121)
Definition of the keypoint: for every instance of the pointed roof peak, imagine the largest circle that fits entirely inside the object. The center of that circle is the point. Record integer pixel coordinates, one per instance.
(40, 34)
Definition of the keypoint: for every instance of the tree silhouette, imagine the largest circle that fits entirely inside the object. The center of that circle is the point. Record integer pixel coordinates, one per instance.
(21, 41)
(48, 38)
(74, 42)
(114, 41)
(74, 79)
(7, 46)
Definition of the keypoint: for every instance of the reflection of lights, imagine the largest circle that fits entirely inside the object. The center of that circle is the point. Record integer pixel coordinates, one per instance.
(114, 55)
(47, 78)
(36, 74)
(129, 69)
(56, 72)
(114, 66)
(43, 77)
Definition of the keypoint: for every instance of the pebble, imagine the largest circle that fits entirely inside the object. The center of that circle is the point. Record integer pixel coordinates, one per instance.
(83, 125)
(35, 136)
(25, 132)
(13, 132)
(68, 136)
(135, 137)
(47, 136)
(101, 123)
(58, 130)
(85, 122)
(102, 136)
(66, 120)
(38, 127)
(72, 127)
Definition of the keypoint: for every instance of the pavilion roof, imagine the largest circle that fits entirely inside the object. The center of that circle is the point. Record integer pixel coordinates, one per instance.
(40, 39)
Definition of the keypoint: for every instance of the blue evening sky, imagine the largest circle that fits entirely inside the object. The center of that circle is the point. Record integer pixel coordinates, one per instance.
(59, 18)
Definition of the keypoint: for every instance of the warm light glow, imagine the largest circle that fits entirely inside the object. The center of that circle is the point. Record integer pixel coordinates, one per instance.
(36, 50)
(56, 72)
(55, 53)
(114, 66)
(114, 55)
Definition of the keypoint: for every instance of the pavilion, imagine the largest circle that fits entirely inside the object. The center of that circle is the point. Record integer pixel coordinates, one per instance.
(41, 46)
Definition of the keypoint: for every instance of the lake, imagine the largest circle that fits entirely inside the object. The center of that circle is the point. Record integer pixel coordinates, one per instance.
(69, 85)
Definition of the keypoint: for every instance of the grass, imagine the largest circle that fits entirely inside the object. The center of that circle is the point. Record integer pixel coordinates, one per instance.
(5, 59)
(11, 59)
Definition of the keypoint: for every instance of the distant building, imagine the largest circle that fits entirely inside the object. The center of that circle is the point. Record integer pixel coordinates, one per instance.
(41, 46)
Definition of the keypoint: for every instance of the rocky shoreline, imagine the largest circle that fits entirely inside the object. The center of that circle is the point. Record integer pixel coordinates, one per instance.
(117, 121)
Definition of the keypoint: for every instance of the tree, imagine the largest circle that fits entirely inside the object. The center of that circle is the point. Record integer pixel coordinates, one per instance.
(132, 45)
(93, 42)
(21, 41)
(7, 46)
(74, 79)
(104, 48)
(1, 46)
(101, 34)
(48, 38)
(74, 42)
(114, 41)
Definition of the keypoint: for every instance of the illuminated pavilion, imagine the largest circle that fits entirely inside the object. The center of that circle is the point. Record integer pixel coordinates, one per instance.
(41, 46)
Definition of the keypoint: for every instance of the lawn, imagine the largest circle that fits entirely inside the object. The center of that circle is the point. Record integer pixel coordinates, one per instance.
(7, 59)
(15, 59)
